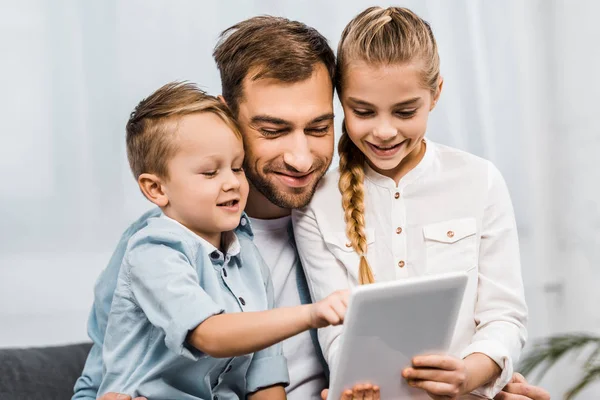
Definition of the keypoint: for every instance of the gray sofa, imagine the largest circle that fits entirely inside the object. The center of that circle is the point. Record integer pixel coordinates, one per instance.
(44, 373)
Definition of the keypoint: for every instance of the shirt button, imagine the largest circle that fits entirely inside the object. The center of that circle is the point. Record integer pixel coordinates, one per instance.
(401, 264)
(214, 255)
(241, 299)
(215, 397)
(225, 273)
(450, 234)
(397, 195)
(398, 230)
(243, 222)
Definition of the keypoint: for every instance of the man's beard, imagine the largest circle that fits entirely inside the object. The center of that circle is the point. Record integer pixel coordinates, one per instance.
(294, 197)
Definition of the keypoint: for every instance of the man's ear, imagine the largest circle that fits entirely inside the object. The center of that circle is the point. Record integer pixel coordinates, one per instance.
(152, 187)
(222, 100)
(438, 93)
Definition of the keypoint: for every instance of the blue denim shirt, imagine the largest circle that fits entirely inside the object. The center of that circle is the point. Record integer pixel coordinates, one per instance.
(139, 333)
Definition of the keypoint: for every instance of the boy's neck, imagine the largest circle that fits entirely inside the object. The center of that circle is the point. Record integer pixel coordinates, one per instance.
(258, 206)
(218, 239)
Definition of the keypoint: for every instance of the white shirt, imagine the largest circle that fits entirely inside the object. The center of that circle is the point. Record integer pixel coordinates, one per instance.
(273, 242)
(452, 212)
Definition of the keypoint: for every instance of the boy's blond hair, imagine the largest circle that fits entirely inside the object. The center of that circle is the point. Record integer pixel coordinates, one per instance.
(152, 126)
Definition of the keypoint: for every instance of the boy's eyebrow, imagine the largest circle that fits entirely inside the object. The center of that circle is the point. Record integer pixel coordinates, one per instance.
(402, 103)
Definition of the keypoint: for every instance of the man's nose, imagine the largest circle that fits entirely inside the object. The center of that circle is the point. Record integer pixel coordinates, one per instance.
(298, 155)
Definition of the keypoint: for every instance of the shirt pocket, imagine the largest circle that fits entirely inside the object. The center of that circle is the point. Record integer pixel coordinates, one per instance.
(451, 245)
(339, 245)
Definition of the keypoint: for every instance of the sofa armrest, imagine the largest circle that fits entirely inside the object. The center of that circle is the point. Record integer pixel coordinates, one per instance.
(42, 372)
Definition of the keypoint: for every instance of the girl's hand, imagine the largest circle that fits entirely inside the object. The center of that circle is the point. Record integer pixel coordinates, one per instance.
(359, 392)
(443, 377)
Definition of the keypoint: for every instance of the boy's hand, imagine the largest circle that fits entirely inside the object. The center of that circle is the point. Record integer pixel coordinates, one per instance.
(441, 376)
(359, 392)
(329, 311)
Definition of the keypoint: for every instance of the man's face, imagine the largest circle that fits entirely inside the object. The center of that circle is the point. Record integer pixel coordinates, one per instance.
(288, 136)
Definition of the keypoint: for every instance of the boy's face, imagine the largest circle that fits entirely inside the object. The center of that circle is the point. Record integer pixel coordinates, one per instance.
(206, 189)
(288, 135)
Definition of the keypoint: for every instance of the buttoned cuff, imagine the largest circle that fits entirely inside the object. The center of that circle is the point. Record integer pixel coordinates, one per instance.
(497, 352)
(175, 337)
(267, 371)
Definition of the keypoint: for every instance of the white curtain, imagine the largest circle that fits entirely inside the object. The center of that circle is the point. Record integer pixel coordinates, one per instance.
(521, 89)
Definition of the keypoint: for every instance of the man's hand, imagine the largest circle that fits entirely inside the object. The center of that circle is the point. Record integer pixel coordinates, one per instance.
(329, 311)
(443, 377)
(358, 392)
(519, 389)
(119, 396)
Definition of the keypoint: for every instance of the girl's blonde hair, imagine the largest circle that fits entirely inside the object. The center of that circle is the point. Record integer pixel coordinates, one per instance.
(377, 36)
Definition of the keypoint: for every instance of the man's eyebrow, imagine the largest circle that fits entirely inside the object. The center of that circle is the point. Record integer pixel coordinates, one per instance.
(269, 120)
(402, 103)
(322, 118)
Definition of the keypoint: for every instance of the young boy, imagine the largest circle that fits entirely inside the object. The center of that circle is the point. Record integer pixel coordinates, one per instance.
(187, 319)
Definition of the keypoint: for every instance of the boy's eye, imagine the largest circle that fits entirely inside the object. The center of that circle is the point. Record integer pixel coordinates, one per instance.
(209, 173)
(362, 113)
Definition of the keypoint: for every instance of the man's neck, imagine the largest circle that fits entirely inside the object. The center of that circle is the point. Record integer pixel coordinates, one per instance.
(258, 206)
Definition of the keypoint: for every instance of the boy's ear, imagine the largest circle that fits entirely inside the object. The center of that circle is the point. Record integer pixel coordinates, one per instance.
(152, 187)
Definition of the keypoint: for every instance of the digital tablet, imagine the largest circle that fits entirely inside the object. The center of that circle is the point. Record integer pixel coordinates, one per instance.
(387, 324)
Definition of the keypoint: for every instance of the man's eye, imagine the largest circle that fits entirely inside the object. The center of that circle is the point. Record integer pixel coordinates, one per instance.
(319, 130)
(272, 132)
(362, 113)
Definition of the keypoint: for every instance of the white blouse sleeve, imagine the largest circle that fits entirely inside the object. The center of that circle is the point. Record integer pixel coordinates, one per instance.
(500, 311)
(324, 273)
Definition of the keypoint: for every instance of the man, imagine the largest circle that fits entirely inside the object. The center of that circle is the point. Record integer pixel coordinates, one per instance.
(277, 78)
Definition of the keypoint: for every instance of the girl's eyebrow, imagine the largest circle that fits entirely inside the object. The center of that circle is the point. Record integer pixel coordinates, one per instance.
(400, 104)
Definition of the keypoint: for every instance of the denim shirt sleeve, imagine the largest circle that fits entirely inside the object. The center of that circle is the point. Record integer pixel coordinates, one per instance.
(268, 366)
(168, 290)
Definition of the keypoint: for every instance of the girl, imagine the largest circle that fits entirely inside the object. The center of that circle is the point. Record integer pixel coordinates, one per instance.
(400, 206)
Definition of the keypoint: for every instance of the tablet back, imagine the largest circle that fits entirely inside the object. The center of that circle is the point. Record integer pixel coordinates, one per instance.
(389, 323)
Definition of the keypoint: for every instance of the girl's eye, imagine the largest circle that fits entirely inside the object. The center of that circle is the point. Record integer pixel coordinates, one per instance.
(406, 114)
(362, 113)
(238, 170)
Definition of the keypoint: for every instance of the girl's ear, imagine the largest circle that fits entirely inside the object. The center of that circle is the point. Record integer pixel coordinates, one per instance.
(153, 188)
(438, 92)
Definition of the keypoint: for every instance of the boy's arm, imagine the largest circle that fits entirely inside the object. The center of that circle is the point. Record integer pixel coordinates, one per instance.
(270, 393)
(173, 300)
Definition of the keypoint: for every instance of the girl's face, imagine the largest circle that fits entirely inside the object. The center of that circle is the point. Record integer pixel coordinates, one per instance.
(386, 109)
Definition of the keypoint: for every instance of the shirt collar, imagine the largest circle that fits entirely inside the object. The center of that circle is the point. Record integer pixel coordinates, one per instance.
(412, 175)
(245, 226)
(232, 243)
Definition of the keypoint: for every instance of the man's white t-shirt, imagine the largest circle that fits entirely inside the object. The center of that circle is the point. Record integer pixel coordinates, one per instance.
(273, 242)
